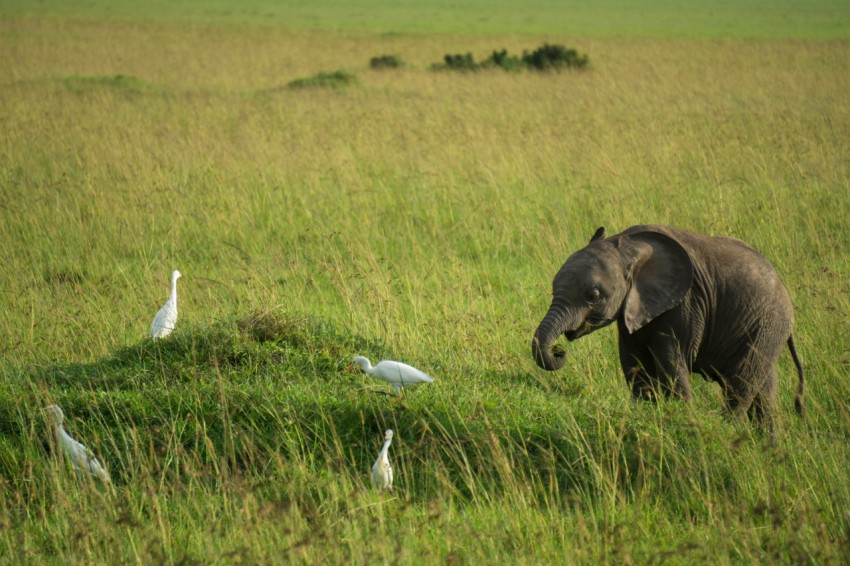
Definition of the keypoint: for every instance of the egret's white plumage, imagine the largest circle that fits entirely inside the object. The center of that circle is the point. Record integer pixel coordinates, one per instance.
(397, 374)
(164, 321)
(382, 471)
(81, 459)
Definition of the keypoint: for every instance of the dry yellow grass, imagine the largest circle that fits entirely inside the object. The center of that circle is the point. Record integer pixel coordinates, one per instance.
(199, 136)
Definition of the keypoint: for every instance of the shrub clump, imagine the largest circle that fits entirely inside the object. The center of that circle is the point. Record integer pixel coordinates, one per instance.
(458, 62)
(549, 57)
(502, 60)
(335, 79)
(545, 58)
(385, 62)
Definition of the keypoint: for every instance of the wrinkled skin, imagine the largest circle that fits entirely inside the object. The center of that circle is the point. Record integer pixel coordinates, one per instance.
(683, 303)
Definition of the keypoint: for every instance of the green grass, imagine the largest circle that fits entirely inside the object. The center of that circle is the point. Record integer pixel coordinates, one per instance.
(603, 18)
(420, 216)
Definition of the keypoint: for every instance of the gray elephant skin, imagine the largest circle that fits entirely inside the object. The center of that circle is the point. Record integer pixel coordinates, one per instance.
(684, 303)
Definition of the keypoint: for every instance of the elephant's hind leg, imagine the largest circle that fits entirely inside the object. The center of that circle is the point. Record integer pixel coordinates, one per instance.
(753, 393)
(763, 408)
(740, 394)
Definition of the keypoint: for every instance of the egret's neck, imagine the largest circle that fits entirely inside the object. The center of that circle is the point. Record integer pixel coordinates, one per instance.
(385, 449)
(367, 367)
(173, 297)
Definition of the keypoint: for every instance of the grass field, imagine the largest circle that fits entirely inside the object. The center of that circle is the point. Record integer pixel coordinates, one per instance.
(601, 18)
(413, 215)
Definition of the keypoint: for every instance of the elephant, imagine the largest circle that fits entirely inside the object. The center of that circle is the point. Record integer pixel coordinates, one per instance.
(684, 303)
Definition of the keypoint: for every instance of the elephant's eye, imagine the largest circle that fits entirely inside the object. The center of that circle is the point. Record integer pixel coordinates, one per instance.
(593, 296)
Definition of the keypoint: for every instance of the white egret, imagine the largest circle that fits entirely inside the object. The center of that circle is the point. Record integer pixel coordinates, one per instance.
(81, 459)
(382, 471)
(397, 374)
(164, 321)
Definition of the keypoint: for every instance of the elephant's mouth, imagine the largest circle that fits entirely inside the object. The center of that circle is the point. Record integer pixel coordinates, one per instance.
(587, 327)
(576, 334)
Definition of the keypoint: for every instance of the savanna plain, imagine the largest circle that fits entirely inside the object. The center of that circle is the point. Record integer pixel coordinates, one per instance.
(416, 215)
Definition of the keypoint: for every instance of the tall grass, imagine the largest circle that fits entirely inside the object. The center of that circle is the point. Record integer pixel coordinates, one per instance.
(415, 216)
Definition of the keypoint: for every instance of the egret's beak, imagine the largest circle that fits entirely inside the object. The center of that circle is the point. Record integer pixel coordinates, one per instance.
(349, 367)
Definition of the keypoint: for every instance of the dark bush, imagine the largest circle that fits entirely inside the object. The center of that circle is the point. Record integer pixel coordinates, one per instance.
(504, 61)
(554, 57)
(544, 58)
(457, 62)
(385, 62)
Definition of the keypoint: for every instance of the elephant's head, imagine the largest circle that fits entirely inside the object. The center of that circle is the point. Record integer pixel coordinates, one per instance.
(634, 277)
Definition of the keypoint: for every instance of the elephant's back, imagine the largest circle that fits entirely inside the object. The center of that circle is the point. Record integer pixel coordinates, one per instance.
(735, 257)
(736, 273)
(743, 268)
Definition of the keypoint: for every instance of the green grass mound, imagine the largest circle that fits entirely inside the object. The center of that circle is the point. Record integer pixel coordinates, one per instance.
(272, 386)
(386, 62)
(118, 83)
(335, 79)
(263, 411)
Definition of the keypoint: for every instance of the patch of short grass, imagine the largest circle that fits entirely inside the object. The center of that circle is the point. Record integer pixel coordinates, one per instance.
(118, 82)
(386, 62)
(334, 79)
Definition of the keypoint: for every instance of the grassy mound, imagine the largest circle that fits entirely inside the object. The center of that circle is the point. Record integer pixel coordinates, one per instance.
(273, 386)
(264, 410)
(386, 62)
(335, 79)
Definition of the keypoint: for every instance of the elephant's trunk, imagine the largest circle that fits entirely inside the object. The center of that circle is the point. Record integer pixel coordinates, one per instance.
(550, 328)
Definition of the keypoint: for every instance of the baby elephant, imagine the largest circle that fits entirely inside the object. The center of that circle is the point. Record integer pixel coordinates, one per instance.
(684, 303)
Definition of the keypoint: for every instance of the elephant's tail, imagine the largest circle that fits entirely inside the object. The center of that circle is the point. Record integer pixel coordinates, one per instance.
(801, 384)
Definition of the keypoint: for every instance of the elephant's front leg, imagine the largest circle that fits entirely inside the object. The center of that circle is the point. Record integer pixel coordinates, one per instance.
(670, 366)
(655, 368)
(639, 370)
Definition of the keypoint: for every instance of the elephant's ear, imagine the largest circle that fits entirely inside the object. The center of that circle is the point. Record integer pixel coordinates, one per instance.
(600, 233)
(661, 272)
